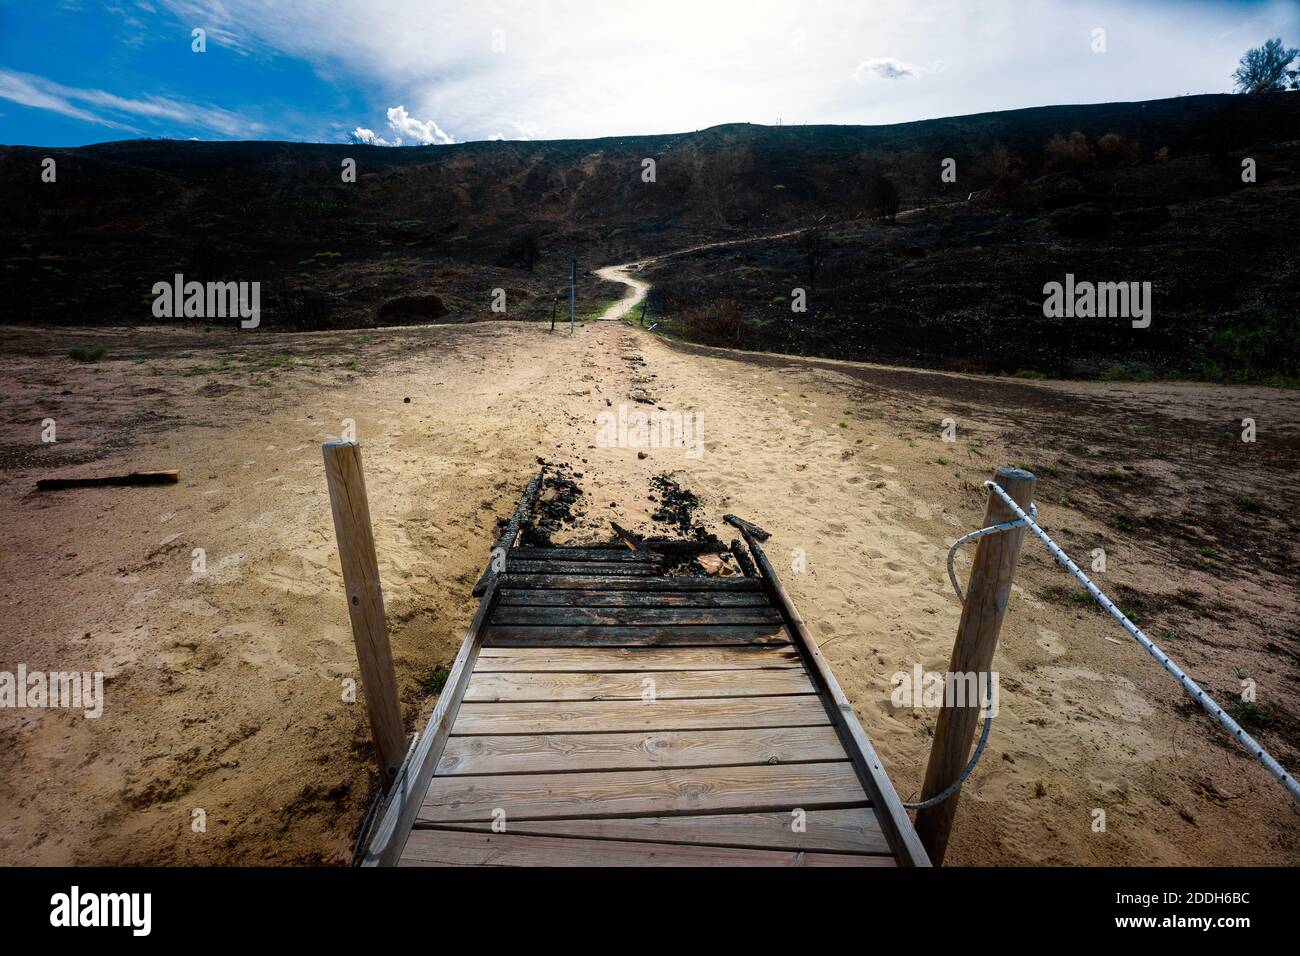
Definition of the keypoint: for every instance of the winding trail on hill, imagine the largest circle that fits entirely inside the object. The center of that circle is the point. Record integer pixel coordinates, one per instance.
(639, 288)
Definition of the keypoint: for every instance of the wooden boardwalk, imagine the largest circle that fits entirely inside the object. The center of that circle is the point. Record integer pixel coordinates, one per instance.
(602, 713)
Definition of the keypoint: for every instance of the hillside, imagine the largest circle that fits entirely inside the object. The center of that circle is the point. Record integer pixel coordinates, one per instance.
(427, 232)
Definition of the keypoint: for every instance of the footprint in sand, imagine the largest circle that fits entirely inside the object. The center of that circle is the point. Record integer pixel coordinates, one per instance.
(1050, 641)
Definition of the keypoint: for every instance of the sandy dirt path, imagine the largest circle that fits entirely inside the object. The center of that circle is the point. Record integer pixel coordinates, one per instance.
(224, 689)
(638, 289)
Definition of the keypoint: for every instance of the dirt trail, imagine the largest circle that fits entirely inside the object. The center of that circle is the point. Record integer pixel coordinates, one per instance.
(639, 289)
(224, 688)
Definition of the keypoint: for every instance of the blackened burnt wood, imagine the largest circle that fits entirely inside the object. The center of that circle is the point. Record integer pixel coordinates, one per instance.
(514, 579)
(560, 597)
(615, 635)
(612, 555)
(579, 616)
(523, 513)
(668, 547)
(134, 478)
(603, 568)
(742, 558)
(746, 527)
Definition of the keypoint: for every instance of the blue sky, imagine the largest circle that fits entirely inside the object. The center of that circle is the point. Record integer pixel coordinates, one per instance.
(430, 71)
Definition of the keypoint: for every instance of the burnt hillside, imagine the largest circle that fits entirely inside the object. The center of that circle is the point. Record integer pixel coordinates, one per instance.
(445, 223)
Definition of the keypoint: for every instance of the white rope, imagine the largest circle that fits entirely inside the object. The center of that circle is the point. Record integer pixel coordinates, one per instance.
(1201, 697)
(975, 757)
(974, 535)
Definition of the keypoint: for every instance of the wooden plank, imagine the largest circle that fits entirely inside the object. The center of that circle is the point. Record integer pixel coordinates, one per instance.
(524, 796)
(552, 753)
(563, 597)
(898, 826)
(619, 555)
(602, 568)
(637, 685)
(614, 716)
(579, 616)
(652, 635)
(399, 813)
(855, 830)
(743, 657)
(517, 579)
(463, 848)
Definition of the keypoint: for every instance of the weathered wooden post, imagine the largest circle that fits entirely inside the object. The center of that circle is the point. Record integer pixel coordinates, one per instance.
(365, 603)
(977, 638)
(573, 291)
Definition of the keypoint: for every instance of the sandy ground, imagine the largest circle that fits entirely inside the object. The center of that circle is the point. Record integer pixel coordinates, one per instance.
(225, 687)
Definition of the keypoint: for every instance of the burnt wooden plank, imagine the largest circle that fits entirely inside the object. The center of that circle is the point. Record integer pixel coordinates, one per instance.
(552, 753)
(579, 616)
(450, 847)
(598, 659)
(599, 568)
(524, 796)
(652, 635)
(855, 830)
(516, 578)
(636, 685)
(566, 597)
(629, 716)
(619, 555)
(523, 514)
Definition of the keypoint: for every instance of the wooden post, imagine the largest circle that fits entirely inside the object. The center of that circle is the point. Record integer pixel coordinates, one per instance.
(365, 603)
(977, 638)
(573, 292)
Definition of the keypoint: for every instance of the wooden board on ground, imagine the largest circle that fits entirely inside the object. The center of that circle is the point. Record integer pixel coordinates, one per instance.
(517, 578)
(828, 831)
(615, 635)
(785, 788)
(601, 568)
(601, 659)
(645, 686)
(464, 848)
(621, 716)
(619, 555)
(593, 716)
(561, 597)
(553, 753)
(639, 616)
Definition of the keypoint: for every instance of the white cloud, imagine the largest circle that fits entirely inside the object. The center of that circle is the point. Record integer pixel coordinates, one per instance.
(107, 109)
(406, 129)
(409, 129)
(37, 93)
(884, 68)
(573, 68)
